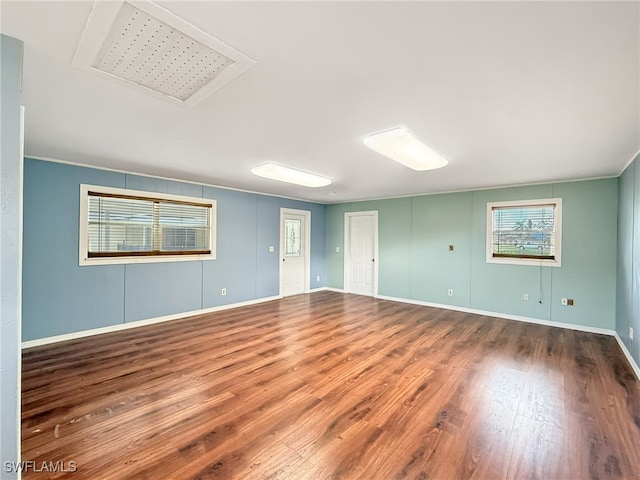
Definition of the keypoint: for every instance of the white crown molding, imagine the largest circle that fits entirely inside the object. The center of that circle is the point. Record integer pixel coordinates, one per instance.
(160, 177)
(630, 161)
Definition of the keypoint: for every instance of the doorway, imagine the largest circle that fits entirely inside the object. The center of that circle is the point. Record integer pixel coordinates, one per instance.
(361, 253)
(295, 252)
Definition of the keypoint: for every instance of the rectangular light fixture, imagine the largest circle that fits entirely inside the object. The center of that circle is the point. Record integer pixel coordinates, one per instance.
(400, 145)
(290, 175)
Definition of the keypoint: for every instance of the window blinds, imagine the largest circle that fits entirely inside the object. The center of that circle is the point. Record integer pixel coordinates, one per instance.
(121, 225)
(524, 232)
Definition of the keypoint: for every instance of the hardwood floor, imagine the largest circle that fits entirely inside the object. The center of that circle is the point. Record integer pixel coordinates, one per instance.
(333, 386)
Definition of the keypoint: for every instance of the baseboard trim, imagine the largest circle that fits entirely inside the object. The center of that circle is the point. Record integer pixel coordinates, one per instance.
(331, 289)
(177, 316)
(519, 318)
(627, 353)
(318, 289)
(538, 321)
(139, 323)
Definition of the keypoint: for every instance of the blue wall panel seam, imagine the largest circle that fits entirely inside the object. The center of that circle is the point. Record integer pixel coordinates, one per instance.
(550, 316)
(124, 291)
(470, 263)
(411, 288)
(255, 278)
(634, 300)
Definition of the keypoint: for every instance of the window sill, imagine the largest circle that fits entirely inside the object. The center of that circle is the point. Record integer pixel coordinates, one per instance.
(535, 262)
(84, 262)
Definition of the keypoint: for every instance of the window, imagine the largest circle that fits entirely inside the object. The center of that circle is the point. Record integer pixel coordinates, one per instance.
(525, 232)
(128, 226)
(292, 247)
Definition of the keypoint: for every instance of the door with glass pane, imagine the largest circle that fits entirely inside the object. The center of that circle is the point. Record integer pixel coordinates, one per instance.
(294, 254)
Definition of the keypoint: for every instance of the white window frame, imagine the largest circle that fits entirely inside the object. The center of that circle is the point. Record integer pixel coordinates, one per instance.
(557, 221)
(83, 254)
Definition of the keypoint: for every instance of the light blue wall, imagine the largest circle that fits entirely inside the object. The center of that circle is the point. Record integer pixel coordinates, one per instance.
(237, 213)
(415, 262)
(10, 196)
(500, 288)
(588, 273)
(61, 297)
(628, 289)
(437, 222)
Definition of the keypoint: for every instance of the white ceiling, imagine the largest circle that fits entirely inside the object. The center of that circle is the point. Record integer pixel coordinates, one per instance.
(511, 93)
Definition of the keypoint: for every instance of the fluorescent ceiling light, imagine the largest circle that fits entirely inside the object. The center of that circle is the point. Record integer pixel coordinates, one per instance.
(399, 145)
(290, 175)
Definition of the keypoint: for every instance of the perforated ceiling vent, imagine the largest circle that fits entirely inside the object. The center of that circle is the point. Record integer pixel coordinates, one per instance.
(147, 46)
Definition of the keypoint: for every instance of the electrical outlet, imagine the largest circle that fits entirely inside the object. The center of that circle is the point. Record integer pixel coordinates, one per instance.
(630, 333)
(337, 249)
(450, 292)
(525, 296)
(223, 292)
(317, 278)
(272, 249)
(563, 301)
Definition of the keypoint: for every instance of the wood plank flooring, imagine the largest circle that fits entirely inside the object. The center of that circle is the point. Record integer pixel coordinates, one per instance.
(333, 386)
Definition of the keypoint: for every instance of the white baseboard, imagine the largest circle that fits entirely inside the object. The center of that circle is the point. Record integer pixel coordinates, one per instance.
(166, 318)
(331, 289)
(627, 353)
(538, 321)
(139, 323)
(519, 318)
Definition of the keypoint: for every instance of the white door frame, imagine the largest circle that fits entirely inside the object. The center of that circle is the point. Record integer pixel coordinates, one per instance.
(347, 249)
(307, 246)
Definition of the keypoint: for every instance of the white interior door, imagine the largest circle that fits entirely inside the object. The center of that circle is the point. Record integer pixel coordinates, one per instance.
(361, 243)
(294, 251)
